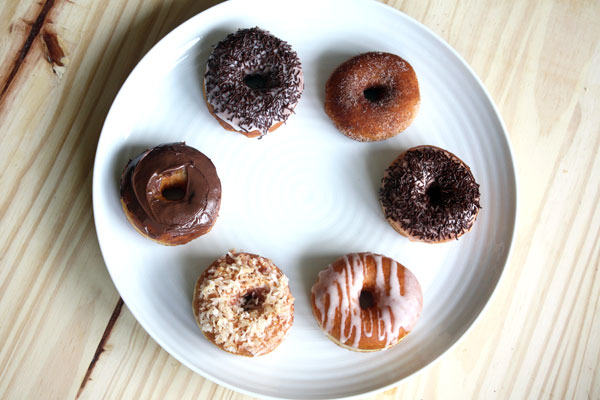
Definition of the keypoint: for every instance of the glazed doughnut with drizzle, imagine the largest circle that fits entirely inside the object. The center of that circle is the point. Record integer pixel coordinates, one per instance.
(366, 302)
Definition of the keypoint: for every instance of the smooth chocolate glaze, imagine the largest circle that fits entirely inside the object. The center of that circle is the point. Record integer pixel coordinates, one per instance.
(194, 208)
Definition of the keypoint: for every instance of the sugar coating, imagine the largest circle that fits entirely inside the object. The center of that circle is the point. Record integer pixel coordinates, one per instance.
(365, 120)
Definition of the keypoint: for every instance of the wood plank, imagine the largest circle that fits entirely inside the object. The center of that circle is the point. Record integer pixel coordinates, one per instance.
(51, 285)
(133, 366)
(63, 333)
(55, 293)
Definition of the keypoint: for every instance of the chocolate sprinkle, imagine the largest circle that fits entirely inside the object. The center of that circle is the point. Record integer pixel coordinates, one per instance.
(431, 194)
(258, 55)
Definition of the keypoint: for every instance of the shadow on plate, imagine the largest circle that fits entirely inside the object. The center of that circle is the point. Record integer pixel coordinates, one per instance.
(122, 157)
(192, 266)
(326, 62)
(310, 266)
(377, 161)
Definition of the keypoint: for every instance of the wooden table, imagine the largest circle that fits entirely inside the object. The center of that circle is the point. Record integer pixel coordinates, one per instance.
(64, 332)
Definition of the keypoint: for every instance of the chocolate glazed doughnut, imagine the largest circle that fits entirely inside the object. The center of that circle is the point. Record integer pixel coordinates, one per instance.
(429, 195)
(171, 193)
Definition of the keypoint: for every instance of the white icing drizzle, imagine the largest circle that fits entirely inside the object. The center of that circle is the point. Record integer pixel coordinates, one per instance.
(350, 308)
(369, 332)
(338, 293)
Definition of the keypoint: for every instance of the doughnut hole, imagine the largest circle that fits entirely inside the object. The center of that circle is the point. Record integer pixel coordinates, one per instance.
(253, 299)
(438, 195)
(366, 299)
(173, 186)
(377, 93)
(261, 80)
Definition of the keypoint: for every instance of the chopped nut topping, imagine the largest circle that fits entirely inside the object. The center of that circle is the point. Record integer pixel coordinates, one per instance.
(245, 303)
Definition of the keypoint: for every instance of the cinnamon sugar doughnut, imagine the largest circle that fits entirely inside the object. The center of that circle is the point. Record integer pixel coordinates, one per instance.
(372, 96)
(243, 304)
(366, 302)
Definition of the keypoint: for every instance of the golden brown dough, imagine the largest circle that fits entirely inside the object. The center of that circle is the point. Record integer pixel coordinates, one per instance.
(372, 96)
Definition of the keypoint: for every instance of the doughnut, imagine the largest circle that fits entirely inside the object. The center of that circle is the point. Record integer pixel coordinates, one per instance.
(372, 96)
(171, 193)
(366, 302)
(253, 82)
(429, 195)
(243, 304)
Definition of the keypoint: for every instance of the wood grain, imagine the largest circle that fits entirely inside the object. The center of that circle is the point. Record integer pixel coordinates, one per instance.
(63, 332)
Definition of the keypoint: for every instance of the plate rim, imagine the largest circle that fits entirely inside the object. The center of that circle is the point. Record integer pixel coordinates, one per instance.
(487, 302)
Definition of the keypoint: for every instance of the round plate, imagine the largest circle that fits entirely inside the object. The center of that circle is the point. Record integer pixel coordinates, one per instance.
(305, 195)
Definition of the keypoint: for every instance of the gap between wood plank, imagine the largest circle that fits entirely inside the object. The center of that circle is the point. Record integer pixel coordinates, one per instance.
(100, 348)
(33, 33)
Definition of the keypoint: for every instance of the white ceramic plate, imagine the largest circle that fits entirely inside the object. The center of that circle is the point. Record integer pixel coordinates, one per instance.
(305, 194)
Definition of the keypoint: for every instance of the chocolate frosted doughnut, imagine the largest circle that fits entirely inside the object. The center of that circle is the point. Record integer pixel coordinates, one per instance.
(373, 96)
(253, 82)
(171, 193)
(429, 195)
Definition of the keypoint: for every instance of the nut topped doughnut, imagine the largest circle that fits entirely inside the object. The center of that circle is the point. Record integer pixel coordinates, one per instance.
(171, 193)
(253, 82)
(243, 304)
(366, 302)
(372, 96)
(430, 195)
